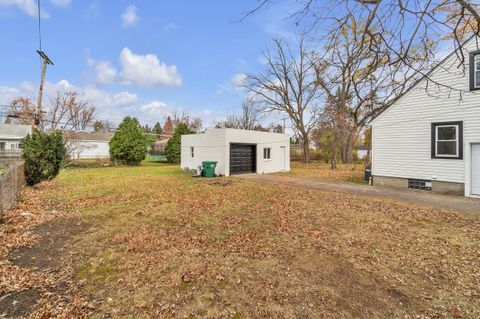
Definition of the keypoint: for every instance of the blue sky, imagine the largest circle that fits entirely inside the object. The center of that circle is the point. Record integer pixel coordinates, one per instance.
(141, 58)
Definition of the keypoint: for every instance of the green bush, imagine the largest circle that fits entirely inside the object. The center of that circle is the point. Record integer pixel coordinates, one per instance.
(43, 154)
(173, 148)
(129, 145)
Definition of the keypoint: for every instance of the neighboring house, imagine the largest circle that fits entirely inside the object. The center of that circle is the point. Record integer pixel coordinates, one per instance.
(85, 145)
(159, 145)
(237, 151)
(11, 138)
(429, 138)
(362, 152)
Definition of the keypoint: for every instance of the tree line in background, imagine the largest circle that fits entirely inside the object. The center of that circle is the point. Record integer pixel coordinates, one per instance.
(69, 112)
(45, 150)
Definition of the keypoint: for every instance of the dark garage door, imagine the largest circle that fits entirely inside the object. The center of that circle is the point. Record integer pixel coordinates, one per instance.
(242, 159)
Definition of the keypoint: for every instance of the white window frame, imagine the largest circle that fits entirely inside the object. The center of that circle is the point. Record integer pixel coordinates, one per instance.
(192, 152)
(476, 58)
(267, 151)
(457, 140)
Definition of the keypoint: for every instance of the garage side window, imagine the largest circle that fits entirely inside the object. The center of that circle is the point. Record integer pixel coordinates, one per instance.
(192, 152)
(447, 140)
(266, 153)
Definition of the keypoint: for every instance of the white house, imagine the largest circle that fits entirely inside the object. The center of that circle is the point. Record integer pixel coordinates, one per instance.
(11, 137)
(429, 138)
(237, 151)
(85, 145)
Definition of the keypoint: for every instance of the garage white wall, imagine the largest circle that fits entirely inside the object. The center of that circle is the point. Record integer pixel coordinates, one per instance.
(209, 146)
(214, 145)
(90, 149)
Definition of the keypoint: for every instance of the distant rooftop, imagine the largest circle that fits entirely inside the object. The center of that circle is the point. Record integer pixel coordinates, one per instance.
(14, 131)
(88, 136)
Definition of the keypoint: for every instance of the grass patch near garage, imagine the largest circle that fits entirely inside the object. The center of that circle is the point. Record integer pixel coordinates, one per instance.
(345, 173)
(163, 244)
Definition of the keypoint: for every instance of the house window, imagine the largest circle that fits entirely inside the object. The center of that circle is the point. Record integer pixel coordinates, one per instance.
(2, 145)
(192, 152)
(447, 140)
(12, 146)
(474, 70)
(266, 153)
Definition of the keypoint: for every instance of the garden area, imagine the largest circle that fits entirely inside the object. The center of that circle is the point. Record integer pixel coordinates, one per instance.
(150, 241)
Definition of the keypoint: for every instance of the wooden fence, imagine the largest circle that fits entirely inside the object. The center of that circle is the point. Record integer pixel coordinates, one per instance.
(11, 181)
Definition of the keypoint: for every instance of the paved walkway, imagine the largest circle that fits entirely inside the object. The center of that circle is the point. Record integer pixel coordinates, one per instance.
(458, 203)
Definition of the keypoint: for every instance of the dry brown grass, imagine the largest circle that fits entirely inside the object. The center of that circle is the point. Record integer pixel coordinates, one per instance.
(350, 173)
(162, 244)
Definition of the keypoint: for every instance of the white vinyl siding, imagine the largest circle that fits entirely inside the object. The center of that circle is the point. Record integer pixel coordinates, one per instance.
(402, 141)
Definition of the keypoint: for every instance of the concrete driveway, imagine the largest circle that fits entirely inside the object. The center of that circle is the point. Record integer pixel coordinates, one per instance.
(422, 198)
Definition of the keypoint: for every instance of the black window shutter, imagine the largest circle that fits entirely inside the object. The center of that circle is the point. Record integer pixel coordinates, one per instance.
(433, 140)
(471, 66)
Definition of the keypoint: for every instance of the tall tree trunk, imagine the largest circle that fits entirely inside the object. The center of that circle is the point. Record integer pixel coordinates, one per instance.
(306, 149)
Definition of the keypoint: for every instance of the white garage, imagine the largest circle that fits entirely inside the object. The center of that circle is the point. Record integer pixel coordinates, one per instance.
(87, 145)
(237, 151)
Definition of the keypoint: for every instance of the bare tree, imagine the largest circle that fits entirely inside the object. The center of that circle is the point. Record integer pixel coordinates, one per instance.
(22, 111)
(289, 86)
(394, 26)
(68, 112)
(247, 119)
(358, 82)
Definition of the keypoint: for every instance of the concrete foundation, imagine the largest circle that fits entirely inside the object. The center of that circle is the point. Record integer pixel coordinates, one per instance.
(437, 186)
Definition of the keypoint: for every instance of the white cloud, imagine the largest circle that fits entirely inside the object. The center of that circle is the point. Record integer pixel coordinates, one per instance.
(27, 6)
(137, 70)
(238, 81)
(101, 99)
(154, 107)
(106, 73)
(234, 84)
(146, 70)
(130, 17)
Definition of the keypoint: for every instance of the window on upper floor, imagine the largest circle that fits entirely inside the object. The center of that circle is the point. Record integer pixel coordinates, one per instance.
(447, 140)
(475, 71)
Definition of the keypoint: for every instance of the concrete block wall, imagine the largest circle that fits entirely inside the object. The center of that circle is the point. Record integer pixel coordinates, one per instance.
(437, 186)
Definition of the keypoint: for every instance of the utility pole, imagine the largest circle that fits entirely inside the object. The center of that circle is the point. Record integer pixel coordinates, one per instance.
(45, 60)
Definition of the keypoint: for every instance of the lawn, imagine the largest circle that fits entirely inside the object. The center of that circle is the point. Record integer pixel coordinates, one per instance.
(150, 241)
(345, 173)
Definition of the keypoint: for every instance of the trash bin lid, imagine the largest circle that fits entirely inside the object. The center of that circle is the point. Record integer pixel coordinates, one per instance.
(209, 162)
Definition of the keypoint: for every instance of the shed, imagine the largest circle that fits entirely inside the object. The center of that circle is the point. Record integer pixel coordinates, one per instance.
(237, 151)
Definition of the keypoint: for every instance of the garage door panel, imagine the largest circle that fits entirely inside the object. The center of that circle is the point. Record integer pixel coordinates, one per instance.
(242, 158)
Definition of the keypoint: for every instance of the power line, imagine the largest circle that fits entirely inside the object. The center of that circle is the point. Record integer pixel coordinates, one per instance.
(39, 27)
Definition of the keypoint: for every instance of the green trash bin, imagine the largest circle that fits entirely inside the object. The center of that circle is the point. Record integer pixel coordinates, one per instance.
(209, 168)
